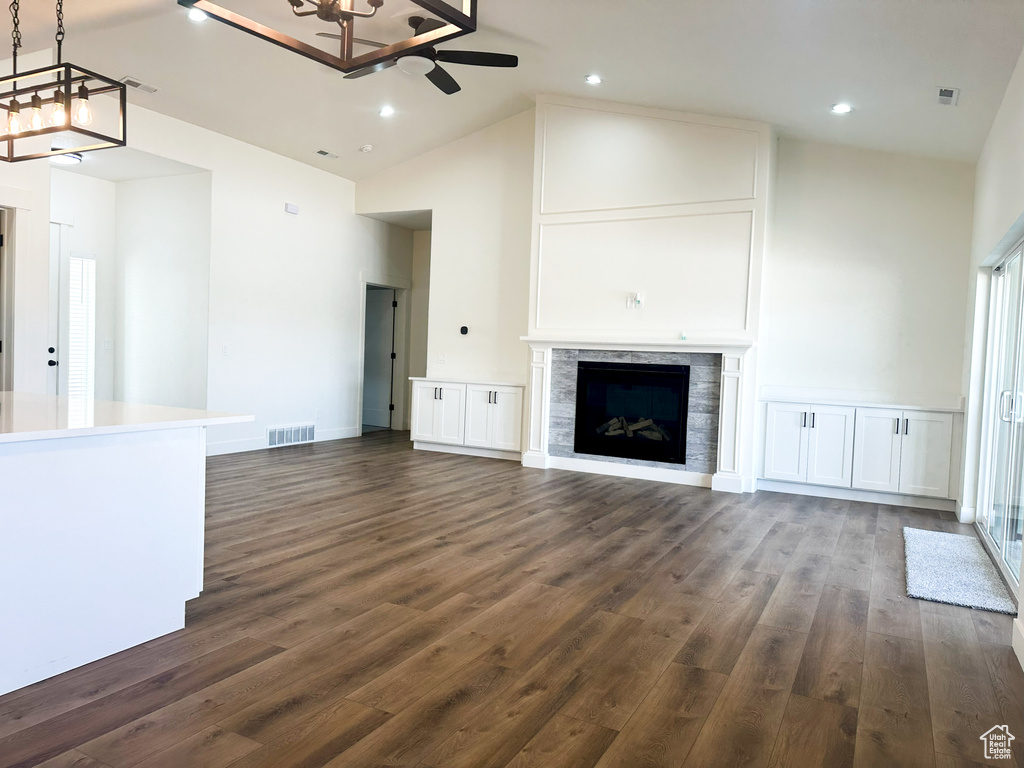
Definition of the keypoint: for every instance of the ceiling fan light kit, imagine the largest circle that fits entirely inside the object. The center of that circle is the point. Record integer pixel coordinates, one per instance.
(455, 19)
(53, 111)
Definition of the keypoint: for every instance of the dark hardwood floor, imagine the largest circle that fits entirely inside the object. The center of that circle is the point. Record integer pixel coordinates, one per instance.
(367, 605)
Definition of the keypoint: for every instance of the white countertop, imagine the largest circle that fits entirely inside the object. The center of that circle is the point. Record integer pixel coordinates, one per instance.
(441, 380)
(25, 417)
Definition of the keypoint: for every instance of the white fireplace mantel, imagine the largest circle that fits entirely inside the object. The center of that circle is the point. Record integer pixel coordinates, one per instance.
(734, 473)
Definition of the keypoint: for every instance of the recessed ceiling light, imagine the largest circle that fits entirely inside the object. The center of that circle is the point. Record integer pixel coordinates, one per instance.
(71, 158)
(387, 111)
(594, 80)
(194, 14)
(841, 108)
(366, 148)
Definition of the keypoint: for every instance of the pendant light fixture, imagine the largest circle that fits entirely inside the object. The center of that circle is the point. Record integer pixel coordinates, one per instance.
(54, 111)
(448, 19)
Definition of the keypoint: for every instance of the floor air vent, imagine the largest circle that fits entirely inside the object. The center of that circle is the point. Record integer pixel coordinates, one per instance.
(279, 436)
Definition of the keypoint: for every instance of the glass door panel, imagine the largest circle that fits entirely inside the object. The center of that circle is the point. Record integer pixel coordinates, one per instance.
(1007, 293)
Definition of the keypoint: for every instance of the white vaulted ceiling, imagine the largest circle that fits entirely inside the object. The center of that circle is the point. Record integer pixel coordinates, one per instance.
(780, 61)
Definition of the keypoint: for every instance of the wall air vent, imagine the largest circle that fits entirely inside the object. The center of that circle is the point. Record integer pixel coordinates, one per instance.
(138, 85)
(295, 435)
(949, 96)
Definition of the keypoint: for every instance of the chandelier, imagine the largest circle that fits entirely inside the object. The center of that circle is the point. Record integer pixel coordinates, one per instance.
(453, 20)
(54, 110)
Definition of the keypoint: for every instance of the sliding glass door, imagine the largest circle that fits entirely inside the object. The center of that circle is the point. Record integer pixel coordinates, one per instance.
(1002, 516)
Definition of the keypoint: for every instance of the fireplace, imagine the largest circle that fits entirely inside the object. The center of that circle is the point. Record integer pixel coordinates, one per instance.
(632, 411)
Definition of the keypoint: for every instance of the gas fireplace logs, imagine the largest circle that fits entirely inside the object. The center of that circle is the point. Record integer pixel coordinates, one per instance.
(645, 428)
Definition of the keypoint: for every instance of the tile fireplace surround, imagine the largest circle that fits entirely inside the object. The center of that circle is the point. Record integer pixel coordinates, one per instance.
(720, 405)
(702, 418)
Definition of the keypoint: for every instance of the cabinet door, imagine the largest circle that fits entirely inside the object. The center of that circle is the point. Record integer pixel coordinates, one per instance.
(876, 455)
(830, 446)
(785, 456)
(927, 441)
(451, 419)
(507, 419)
(424, 402)
(478, 416)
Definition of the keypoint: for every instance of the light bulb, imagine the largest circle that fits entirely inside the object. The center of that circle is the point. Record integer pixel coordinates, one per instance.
(59, 116)
(194, 14)
(35, 114)
(14, 118)
(83, 112)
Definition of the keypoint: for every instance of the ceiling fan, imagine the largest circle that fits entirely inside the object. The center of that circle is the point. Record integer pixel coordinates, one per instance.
(428, 60)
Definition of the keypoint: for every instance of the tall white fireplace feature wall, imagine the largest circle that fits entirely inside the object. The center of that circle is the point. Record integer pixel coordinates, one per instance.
(671, 207)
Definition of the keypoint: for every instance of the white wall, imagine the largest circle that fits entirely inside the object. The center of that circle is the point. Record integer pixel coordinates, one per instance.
(866, 292)
(479, 189)
(667, 205)
(88, 206)
(285, 325)
(163, 279)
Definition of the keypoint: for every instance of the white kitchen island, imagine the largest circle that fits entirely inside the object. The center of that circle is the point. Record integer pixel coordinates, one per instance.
(102, 510)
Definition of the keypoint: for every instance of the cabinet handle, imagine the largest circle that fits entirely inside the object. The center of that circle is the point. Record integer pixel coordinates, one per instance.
(440, 393)
(495, 398)
(897, 425)
(813, 414)
(804, 424)
(489, 394)
(906, 426)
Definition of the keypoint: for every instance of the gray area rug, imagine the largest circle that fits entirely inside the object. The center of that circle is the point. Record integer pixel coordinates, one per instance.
(955, 569)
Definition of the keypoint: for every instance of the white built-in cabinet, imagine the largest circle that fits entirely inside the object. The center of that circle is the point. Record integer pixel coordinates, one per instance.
(439, 413)
(903, 451)
(479, 416)
(494, 417)
(868, 449)
(810, 444)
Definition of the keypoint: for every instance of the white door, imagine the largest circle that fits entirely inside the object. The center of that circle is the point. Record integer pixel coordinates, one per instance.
(424, 402)
(876, 461)
(927, 441)
(478, 416)
(452, 413)
(830, 446)
(785, 456)
(507, 419)
(53, 335)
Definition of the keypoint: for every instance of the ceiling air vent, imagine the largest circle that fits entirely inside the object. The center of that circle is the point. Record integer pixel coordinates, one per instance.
(949, 96)
(326, 154)
(138, 85)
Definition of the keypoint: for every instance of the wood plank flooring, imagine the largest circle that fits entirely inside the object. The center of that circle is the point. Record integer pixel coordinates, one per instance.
(368, 605)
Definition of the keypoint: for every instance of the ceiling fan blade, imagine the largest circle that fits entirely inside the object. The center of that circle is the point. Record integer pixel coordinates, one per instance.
(429, 26)
(359, 40)
(444, 81)
(478, 58)
(371, 70)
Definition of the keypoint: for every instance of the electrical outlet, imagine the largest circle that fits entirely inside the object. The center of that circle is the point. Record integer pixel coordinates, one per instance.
(224, 350)
(442, 359)
(108, 344)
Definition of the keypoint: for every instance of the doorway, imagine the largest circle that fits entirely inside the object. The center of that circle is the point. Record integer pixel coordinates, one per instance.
(379, 358)
(1001, 515)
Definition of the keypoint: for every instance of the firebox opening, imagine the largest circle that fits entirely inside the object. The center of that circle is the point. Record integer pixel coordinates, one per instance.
(632, 411)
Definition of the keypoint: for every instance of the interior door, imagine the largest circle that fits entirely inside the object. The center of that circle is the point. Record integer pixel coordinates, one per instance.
(926, 445)
(785, 456)
(56, 302)
(830, 446)
(876, 463)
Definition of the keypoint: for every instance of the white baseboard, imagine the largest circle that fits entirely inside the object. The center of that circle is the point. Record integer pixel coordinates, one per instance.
(967, 515)
(225, 447)
(850, 494)
(658, 474)
(1018, 640)
(535, 460)
(727, 483)
(463, 450)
